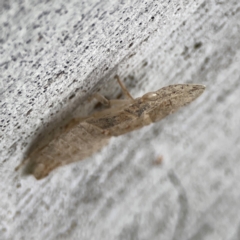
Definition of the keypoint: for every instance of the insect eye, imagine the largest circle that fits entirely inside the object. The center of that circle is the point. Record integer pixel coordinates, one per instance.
(151, 96)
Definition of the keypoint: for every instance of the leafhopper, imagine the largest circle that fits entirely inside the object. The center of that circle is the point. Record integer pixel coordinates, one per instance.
(84, 136)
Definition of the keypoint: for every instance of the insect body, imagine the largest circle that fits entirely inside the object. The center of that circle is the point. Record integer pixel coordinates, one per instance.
(85, 136)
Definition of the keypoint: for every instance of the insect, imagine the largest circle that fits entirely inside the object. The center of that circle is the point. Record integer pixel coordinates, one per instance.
(84, 136)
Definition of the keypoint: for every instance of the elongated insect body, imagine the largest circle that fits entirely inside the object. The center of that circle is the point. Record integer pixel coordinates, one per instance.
(149, 108)
(83, 137)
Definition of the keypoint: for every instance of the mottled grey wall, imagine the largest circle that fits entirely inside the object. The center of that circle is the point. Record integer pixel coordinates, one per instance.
(54, 54)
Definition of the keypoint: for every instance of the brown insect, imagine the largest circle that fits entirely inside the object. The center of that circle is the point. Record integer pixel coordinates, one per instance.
(85, 136)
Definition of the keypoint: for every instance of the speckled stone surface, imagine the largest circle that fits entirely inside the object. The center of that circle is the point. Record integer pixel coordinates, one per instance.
(55, 54)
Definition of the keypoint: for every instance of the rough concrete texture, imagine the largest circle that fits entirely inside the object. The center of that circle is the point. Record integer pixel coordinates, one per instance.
(54, 54)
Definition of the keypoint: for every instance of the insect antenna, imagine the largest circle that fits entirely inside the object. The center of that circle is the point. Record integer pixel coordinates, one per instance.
(124, 89)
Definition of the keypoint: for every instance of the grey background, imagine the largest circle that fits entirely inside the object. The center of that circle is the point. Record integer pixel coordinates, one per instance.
(54, 54)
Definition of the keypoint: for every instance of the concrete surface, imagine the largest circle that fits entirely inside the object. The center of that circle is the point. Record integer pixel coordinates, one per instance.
(54, 54)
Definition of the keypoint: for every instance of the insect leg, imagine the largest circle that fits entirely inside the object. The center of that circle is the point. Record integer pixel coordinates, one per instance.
(101, 99)
(106, 102)
(111, 102)
(124, 89)
(21, 164)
